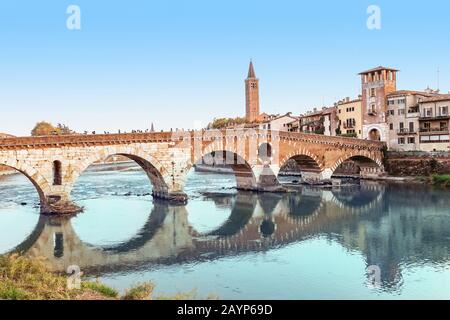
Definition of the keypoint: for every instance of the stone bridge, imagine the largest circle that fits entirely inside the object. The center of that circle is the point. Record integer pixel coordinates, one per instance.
(54, 163)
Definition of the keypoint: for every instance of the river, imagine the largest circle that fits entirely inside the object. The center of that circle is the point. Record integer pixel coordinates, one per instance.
(373, 241)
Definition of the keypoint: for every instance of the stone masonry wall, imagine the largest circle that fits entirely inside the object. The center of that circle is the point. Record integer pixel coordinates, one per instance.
(417, 163)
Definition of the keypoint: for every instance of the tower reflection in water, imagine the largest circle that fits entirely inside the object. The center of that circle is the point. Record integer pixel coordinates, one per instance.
(384, 223)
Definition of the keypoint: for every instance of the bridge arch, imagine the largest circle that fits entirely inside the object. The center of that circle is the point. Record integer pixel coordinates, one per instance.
(243, 172)
(39, 182)
(156, 172)
(308, 164)
(364, 161)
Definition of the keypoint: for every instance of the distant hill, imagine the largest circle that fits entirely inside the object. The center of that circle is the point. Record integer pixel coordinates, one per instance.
(5, 135)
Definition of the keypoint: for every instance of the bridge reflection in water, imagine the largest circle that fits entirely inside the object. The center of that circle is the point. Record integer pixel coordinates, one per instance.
(379, 221)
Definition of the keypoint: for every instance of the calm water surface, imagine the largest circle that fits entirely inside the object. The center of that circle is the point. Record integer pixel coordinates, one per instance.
(311, 244)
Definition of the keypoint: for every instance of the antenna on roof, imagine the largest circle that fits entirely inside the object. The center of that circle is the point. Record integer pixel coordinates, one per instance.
(438, 73)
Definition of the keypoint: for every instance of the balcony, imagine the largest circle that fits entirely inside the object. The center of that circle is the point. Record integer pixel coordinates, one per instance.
(372, 112)
(406, 131)
(433, 117)
(429, 131)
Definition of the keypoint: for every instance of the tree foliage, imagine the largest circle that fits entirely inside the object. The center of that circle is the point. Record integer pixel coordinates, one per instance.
(44, 128)
(221, 123)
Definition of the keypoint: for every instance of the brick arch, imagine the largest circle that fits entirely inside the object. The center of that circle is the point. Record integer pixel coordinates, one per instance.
(302, 153)
(157, 173)
(362, 153)
(37, 179)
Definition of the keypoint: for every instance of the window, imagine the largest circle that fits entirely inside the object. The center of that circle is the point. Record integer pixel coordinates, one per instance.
(401, 140)
(443, 111)
(401, 126)
(372, 92)
(391, 126)
(411, 140)
(401, 112)
(428, 112)
(391, 112)
(57, 176)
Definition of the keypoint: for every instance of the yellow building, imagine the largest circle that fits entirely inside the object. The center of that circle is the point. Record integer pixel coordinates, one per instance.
(349, 113)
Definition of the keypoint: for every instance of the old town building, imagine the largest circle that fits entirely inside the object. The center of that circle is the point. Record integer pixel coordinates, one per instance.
(330, 121)
(403, 119)
(376, 83)
(434, 123)
(349, 113)
(322, 121)
(280, 122)
(312, 122)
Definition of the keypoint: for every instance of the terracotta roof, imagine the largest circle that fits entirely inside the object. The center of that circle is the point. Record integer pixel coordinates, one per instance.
(328, 110)
(343, 102)
(441, 97)
(280, 116)
(408, 92)
(380, 68)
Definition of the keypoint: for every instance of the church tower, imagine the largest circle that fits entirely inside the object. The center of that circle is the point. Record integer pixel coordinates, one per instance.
(251, 95)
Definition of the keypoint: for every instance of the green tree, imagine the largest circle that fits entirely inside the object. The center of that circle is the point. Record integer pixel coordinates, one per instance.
(221, 123)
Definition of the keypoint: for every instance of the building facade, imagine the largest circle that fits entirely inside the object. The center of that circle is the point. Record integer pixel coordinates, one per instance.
(434, 123)
(403, 119)
(251, 95)
(376, 83)
(349, 113)
(312, 122)
(330, 121)
(279, 123)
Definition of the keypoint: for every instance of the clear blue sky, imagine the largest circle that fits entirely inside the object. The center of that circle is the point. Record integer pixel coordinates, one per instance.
(175, 63)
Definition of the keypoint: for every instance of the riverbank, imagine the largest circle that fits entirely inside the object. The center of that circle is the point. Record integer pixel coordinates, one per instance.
(439, 180)
(25, 279)
(22, 278)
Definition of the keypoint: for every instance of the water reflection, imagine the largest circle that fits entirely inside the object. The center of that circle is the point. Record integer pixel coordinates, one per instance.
(388, 225)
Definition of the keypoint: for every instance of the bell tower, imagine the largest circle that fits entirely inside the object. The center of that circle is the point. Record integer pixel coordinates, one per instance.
(251, 95)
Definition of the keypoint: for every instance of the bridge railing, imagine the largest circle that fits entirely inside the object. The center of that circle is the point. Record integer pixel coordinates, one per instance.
(122, 138)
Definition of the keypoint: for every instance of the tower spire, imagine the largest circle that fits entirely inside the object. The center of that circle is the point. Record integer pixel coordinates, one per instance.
(251, 71)
(251, 95)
